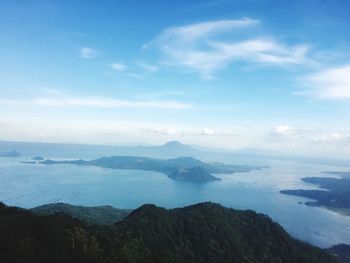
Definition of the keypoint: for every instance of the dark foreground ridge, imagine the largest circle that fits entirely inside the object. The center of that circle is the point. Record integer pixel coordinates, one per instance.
(342, 251)
(204, 232)
(182, 168)
(99, 215)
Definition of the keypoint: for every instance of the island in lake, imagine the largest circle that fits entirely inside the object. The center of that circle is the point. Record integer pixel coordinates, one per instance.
(182, 168)
(34, 160)
(334, 193)
(38, 158)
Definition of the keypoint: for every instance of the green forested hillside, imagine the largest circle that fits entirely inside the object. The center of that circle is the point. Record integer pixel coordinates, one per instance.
(204, 232)
(100, 215)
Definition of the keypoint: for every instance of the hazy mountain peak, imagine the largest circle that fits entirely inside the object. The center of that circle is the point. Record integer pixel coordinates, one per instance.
(175, 144)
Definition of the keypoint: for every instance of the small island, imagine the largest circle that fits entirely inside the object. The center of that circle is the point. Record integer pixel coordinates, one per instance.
(182, 168)
(28, 162)
(34, 160)
(334, 193)
(38, 158)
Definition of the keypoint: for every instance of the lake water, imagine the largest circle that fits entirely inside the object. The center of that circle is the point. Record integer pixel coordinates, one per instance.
(28, 185)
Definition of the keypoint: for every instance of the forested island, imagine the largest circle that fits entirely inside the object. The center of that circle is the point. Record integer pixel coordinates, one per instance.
(334, 193)
(201, 233)
(182, 168)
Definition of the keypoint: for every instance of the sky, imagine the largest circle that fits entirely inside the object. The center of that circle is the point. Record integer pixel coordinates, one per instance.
(231, 74)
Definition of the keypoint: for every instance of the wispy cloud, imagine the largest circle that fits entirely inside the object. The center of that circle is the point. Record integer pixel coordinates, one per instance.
(5, 101)
(329, 84)
(186, 131)
(193, 32)
(87, 52)
(285, 132)
(208, 132)
(119, 66)
(160, 131)
(161, 95)
(97, 102)
(148, 67)
(283, 128)
(343, 137)
(288, 133)
(139, 70)
(205, 49)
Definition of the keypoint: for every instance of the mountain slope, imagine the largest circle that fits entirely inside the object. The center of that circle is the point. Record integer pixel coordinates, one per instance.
(208, 232)
(341, 251)
(101, 215)
(204, 232)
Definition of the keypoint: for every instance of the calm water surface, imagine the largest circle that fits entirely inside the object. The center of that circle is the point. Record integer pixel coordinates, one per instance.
(27, 185)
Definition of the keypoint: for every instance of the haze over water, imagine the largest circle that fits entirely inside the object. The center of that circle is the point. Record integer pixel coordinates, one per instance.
(28, 185)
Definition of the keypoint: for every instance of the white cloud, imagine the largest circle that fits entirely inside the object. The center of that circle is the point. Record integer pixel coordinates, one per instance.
(148, 67)
(266, 51)
(160, 131)
(10, 102)
(119, 67)
(201, 48)
(208, 132)
(333, 137)
(97, 102)
(161, 94)
(191, 33)
(330, 84)
(282, 128)
(285, 132)
(87, 52)
(186, 131)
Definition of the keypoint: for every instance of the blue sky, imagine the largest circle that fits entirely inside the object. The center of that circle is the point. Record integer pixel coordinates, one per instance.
(221, 73)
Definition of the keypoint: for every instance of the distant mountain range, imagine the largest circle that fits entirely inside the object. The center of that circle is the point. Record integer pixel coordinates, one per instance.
(10, 154)
(201, 233)
(172, 149)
